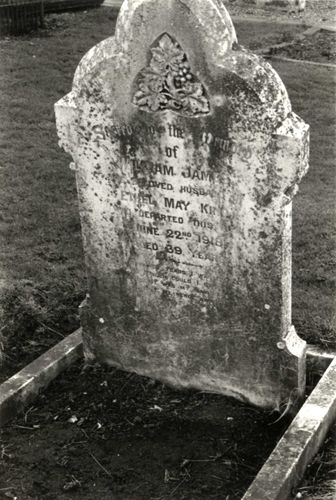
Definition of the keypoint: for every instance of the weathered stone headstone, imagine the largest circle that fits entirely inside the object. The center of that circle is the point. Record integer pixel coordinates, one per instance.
(187, 157)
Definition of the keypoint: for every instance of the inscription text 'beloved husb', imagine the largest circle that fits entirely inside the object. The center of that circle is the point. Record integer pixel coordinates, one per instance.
(168, 83)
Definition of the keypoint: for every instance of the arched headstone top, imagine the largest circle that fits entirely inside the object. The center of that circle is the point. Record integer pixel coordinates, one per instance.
(203, 32)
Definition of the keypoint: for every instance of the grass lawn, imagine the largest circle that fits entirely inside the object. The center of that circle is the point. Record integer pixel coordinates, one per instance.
(40, 248)
(42, 272)
(312, 92)
(263, 34)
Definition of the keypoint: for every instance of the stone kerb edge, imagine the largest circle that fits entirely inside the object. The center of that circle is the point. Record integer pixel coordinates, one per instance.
(302, 440)
(19, 390)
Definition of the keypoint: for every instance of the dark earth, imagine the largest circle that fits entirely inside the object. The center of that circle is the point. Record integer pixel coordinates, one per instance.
(106, 434)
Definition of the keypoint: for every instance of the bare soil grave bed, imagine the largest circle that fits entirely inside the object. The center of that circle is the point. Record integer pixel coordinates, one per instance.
(100, 432)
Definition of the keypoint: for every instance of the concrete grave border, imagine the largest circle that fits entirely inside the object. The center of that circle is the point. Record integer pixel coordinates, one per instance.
(24, 386)
(282, 470)
(287, 463)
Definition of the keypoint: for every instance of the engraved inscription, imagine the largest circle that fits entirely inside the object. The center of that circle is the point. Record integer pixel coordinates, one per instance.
(170, 194)
(168, 82)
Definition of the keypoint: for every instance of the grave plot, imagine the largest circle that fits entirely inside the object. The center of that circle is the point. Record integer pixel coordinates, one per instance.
(137, 434)
(112, 433)
(117, 481)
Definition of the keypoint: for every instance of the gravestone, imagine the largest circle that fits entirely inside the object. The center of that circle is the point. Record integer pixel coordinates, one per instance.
(187, 156)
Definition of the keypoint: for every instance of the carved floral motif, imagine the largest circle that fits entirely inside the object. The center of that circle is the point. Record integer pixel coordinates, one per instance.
(168, 83)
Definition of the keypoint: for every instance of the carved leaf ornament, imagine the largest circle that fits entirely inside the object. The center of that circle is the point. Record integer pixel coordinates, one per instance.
(168, 83)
